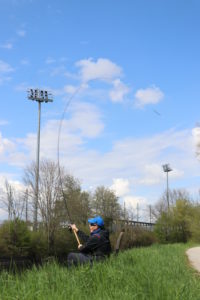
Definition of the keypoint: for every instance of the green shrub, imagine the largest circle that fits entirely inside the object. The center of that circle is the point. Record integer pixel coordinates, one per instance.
(194, 224)
(14, 238)
(133, 237)
(38, 245)
(64, 242)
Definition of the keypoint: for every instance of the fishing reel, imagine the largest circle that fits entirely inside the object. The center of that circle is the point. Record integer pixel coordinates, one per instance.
(69, 228)
(66, 225)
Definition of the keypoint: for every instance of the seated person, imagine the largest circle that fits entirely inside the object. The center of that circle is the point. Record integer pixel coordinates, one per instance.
(96, 247)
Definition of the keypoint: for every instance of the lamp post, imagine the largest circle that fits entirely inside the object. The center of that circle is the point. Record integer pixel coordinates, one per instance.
(39, 96)
(167, 169)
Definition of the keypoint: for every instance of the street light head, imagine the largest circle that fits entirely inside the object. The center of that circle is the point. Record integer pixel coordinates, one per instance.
(39, 95)
(166, 168)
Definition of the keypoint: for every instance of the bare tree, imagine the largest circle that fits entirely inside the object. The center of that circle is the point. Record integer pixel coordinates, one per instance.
(12, 201)
(49, 194)
(60, 197)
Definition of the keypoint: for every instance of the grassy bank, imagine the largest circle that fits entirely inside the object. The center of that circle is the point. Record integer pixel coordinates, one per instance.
(157, 272)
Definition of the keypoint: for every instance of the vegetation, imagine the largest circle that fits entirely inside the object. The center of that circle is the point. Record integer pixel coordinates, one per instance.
(61, 201)
(17, 240)
(179, 223)
(153, 273)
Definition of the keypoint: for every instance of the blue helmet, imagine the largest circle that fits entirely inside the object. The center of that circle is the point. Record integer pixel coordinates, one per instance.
(97, 220)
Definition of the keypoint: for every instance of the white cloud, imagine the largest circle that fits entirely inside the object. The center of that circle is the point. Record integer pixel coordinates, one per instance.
(18, 158)
(22, 87)
(50, 60)
(7, 46)
(85, 123)
(5, 146)
(134, 201)
(135, 162)
(5, 67)
(119, 91)
(141, 167)
(21, 33)
(196, 139)
(3, 122)
(120, 186)
(153, 174)
(102, 69)
(60, 70)
(70, 89)
(25, 62)
(87, 119)
(146, 96)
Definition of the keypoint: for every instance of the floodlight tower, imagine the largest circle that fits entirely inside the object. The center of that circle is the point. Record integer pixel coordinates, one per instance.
(167, 169)
(39, 96)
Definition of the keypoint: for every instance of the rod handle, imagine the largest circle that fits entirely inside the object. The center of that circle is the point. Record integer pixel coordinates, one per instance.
(77, 238)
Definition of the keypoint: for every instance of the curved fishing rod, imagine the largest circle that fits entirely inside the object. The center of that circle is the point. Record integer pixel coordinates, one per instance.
(58, 156)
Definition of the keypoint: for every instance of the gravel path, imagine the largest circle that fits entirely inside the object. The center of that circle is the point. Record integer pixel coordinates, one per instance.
(194, 257)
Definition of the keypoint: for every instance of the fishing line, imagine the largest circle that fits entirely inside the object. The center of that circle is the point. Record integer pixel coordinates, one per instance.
(68, 102)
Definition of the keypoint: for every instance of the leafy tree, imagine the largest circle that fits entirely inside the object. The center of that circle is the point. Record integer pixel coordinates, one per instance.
(105, 203)
(74, 205)
(173, 225)
(161, 206)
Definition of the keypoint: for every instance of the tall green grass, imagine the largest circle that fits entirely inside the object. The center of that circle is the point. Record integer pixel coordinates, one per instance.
(157, 272)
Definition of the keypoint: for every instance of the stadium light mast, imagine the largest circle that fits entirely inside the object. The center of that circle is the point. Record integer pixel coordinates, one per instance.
(39, 96)
(167, 169)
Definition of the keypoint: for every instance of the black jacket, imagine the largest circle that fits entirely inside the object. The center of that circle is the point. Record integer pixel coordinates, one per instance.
(97, 244)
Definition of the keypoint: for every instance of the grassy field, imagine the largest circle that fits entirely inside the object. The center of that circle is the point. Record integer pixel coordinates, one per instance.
(157, 272)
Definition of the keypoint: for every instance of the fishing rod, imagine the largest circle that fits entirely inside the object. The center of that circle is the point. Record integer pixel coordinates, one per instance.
(58, 161)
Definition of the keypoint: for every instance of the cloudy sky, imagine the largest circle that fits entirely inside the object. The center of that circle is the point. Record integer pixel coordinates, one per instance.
(125, 76)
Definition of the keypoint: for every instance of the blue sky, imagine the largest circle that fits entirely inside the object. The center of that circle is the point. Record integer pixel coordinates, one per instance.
(132, 69)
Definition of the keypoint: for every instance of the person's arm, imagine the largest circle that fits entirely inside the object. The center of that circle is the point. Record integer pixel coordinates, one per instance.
(84, 237)
(90, 245)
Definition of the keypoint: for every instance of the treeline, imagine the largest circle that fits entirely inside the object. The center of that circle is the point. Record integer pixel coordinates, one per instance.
(60, 202)
(180, 222)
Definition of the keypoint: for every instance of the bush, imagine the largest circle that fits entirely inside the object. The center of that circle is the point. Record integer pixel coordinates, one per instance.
(14, 238)
(64, 242)
(172, 228)
(38, 245)
(194, 224)
(133, 237)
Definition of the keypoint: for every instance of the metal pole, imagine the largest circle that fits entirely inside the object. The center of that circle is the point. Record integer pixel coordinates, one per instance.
(150, 213)
(167, 192)
(37, 170)
(167, 169)
(26, 202)
(39, 96)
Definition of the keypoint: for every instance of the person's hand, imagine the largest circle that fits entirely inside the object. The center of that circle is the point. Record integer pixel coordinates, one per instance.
(73, 227)
(79, 246)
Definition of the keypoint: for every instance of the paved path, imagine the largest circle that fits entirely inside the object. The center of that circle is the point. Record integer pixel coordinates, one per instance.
(194, 257)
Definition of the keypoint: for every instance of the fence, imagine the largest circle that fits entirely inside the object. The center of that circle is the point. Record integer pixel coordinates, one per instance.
(119, 224)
